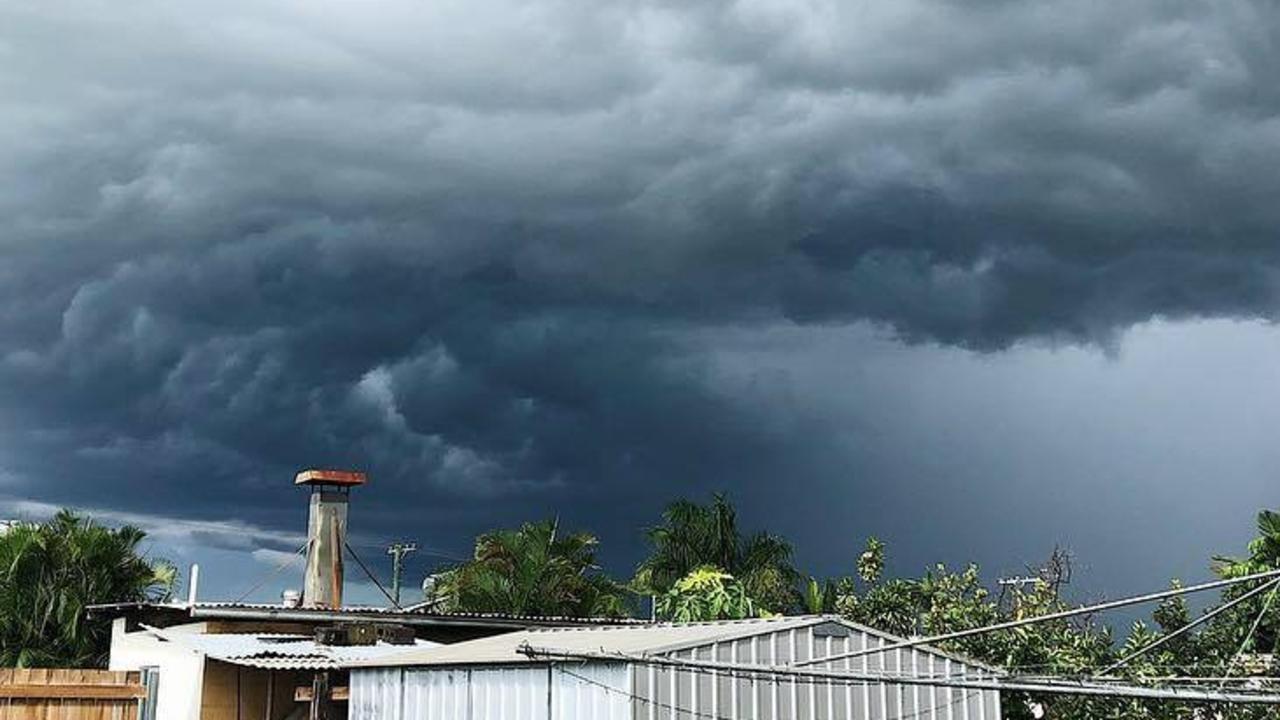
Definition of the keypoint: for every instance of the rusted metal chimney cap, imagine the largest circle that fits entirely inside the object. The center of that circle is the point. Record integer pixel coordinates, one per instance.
(348, 478)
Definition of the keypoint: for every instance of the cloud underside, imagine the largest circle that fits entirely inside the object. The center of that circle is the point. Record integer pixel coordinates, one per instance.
(479, 248)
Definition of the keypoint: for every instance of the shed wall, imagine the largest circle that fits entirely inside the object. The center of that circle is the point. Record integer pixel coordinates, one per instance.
(536, 692)
(667, 693)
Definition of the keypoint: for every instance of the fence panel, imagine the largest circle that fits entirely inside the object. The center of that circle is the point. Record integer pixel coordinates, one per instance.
(61, 694)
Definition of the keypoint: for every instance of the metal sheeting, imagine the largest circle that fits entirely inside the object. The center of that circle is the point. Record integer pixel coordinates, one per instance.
(526, 689)
(672, 693)
(584, 692)
(282, 652)
(596, 691)
(506, 649)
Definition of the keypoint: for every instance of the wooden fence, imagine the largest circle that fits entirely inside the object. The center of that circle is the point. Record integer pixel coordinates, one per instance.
(70, 695)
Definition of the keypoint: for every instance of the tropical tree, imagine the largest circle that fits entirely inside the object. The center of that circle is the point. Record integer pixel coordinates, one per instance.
(944, 601)
(49, 573)
(532, 570)
(1253, 625)
(708, 593)
(692, 536)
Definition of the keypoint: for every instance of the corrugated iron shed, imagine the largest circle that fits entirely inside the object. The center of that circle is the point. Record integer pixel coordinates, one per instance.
(654, 673)
(650, 638)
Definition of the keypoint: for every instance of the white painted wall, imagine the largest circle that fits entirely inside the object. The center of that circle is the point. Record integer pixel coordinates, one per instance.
(181, 669)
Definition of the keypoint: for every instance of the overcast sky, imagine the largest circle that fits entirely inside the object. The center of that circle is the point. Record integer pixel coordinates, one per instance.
(976, 277)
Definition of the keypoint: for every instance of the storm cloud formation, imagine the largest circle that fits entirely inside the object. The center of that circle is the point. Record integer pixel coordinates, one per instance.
(487, 249)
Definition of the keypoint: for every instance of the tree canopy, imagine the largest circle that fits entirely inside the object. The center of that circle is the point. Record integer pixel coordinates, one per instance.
(707, 593)
(49, 573)
(692, 536)
(532, 570)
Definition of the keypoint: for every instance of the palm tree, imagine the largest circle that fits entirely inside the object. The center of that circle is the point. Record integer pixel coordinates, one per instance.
(1260, 615)
(532, 570)
(1264, 550)
(693, 535)
(49, 573)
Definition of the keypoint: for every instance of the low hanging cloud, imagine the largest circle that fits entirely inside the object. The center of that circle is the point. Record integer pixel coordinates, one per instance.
(464, 244)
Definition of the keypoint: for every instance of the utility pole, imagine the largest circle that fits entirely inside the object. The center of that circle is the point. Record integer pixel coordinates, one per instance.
(397, 551)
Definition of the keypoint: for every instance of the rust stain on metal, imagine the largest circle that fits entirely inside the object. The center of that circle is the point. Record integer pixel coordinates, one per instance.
(330, 477)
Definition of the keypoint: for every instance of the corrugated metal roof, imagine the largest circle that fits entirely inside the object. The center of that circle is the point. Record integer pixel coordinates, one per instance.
(239, 610)
(282, 652)
(630, 639)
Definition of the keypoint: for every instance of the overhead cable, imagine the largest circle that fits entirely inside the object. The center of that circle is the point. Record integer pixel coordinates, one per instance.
(1075, 612)
(1011, 683)
(1189, 626)
(1249, 635)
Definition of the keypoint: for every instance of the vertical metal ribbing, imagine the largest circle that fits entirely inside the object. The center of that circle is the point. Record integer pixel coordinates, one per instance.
(898, 667)
(715, 682)
(694, 700)
(813, 686)
(982, 699)
(551, 695)
(831, 687)
(734, 700)
(867, 687)
(951, 692)
(404, 679)
(884, 686)
(755, 680)
(774, 679)
(847, 646)
(627, 702)
(933, 689)
(795, 689)
(915, 690)
(964, 696)
(674, 685)
(653, 692)
(468, 699)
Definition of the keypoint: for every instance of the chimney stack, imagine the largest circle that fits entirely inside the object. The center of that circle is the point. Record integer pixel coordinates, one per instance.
(326, 534)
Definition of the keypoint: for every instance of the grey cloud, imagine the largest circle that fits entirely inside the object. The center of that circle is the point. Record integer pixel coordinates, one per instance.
(452, 242)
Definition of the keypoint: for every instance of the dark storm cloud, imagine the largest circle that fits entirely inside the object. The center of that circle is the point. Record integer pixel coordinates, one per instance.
(452, 242)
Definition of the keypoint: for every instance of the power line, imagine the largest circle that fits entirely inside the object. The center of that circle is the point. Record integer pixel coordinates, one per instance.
(1249, 635)
(1126, 602)
(274, 573)
(1187, 628)
(372, 579)
(1013, 683)
(679, 710)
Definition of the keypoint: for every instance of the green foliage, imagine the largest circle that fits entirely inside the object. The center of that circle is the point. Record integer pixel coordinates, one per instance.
(707, 593)
(533, 570)
(871, 562)
(944, 601)
(819, 597)
(49, 573)
(692, 536)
